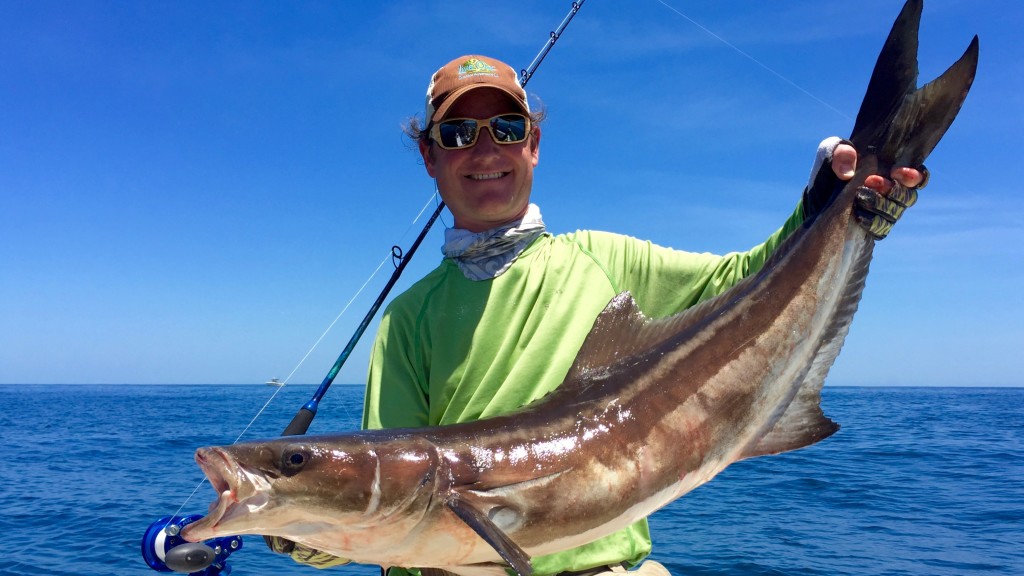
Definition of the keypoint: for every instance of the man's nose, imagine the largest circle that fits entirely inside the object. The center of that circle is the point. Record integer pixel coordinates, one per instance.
(486, 142)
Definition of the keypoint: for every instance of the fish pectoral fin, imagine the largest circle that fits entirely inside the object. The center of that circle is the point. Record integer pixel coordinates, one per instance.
(509, 551)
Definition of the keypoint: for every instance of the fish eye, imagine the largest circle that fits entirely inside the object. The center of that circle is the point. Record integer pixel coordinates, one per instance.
(294, 459)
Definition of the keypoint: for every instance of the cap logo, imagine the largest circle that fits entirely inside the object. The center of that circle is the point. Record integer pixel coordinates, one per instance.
(475, 67)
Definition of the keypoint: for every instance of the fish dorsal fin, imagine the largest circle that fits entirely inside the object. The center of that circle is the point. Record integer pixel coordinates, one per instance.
(623, 331)
(613, 336)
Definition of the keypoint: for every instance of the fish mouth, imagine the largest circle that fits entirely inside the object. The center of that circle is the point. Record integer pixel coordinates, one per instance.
(240, 494)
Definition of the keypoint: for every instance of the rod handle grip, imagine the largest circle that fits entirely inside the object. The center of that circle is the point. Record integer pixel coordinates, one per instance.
(300, 423)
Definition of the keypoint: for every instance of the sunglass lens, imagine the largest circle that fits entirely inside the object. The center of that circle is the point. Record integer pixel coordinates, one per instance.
(463, 132)
(510, 128)
(458, 133)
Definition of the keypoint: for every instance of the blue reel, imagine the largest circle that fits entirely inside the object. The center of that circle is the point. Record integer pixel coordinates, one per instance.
(164, 550)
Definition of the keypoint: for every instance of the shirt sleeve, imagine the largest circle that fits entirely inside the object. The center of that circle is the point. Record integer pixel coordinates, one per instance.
(723, 272)
(665, 281)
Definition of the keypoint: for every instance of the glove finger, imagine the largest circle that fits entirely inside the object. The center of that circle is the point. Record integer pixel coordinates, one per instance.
(306, 555)
(891, 206)
(279, 545)
(874, 203)
(902, 195)
(925, 176)
(875, 225)
(823, 183)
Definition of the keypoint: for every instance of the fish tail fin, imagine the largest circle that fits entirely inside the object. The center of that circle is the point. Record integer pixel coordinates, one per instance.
(898, 122)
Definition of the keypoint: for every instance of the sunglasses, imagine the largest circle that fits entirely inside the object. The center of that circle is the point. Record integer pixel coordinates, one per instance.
(458, 133)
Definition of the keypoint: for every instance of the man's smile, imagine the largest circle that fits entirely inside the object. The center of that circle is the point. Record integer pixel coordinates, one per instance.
(488, 176)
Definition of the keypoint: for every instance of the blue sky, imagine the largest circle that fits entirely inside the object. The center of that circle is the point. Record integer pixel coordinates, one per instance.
(190, 192)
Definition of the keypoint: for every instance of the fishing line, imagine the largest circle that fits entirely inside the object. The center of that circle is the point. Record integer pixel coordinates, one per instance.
(755, 61)
(391, 256)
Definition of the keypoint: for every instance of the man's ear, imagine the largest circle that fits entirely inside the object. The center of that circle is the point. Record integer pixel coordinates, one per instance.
(427, 152)
(535, 145)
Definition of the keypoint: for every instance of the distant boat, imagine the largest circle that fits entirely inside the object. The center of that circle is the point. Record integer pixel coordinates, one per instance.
(274, 382)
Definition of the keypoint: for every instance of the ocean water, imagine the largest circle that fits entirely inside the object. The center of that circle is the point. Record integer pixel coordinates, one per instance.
(918, 481)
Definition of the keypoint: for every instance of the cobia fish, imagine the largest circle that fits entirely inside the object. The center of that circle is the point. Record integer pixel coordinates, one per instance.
(650, 410)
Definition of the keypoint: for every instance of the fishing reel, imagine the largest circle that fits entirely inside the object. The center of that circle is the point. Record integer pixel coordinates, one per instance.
(165, 550)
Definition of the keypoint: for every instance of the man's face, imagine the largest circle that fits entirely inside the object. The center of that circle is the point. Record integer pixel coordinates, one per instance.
(487, 184)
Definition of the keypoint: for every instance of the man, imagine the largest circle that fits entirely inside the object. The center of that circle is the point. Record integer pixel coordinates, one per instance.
(499, 322)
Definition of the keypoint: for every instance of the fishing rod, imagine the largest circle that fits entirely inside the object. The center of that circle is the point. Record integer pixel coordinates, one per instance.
(163, 548)
(304, 417)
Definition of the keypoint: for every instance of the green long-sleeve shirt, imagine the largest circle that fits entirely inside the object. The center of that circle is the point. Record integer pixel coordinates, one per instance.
(452, 350)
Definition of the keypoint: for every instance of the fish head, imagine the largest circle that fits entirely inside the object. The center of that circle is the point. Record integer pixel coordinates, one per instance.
(287, 487)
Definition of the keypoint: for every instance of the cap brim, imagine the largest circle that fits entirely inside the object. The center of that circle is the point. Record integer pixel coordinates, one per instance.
(459, 93)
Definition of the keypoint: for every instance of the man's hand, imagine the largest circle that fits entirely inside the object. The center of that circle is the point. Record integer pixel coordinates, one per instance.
(880, 202)
(844, 164)
(303, 554)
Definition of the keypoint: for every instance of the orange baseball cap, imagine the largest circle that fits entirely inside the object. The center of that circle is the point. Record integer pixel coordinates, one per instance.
(467, 73)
